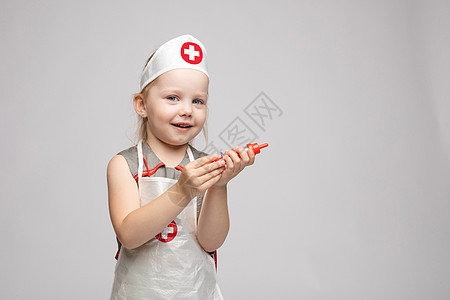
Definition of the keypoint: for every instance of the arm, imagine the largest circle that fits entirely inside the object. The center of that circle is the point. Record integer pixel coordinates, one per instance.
(134, 225)
(214, 222)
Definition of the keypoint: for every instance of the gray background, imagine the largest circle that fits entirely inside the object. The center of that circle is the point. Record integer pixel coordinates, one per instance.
(351, 199)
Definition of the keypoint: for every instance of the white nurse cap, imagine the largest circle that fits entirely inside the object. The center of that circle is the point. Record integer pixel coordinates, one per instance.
(183, 52)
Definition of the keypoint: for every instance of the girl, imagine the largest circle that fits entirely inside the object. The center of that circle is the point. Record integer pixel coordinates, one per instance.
(167, 200)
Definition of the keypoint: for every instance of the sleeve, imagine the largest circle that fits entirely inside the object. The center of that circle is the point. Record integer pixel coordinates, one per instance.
(130, 156)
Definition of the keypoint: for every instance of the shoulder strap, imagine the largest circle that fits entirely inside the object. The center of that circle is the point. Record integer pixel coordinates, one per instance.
(140, 164)
(190, 154)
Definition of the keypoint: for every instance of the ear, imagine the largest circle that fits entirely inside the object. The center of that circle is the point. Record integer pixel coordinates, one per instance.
(139, 105)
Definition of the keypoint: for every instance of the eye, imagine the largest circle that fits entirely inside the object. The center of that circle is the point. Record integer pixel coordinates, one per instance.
(174, 98)
(198, 101)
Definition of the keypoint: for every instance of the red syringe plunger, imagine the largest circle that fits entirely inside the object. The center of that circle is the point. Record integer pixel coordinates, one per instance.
(257, 148)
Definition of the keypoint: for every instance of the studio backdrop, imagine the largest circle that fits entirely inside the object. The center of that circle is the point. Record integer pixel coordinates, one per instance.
(351, 200)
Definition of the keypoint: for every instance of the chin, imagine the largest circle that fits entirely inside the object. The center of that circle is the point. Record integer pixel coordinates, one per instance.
(177, 143)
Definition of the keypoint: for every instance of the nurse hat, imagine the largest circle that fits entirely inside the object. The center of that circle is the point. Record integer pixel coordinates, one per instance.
(183, 52)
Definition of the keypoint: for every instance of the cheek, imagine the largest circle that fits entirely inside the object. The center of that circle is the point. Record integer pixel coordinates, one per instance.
(163, 114)
(157, 121)
(201, 115)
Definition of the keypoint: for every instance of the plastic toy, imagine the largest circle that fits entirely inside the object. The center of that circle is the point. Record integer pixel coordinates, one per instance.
(255, 147)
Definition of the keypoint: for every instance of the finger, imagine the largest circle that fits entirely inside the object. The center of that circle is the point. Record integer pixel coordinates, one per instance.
(209, 167)
(204, 178)
(250, 152)
(228, 161)
(242, 154)
(211, 181)
(240, 163)
(199, 162)
(252, 158)
(234, 156)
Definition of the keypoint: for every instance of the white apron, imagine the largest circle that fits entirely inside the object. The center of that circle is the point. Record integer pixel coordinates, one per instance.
(172, 265)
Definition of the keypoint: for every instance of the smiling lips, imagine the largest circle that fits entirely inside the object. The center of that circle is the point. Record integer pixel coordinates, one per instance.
(182, 126)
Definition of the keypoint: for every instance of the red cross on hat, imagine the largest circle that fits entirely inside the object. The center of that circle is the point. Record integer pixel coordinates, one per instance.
(169, 233)
(191, 53)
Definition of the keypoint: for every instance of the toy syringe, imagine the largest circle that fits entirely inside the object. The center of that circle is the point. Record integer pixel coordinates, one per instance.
(255, 147)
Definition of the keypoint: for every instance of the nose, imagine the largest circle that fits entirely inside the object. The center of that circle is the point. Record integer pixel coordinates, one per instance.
(186, 108)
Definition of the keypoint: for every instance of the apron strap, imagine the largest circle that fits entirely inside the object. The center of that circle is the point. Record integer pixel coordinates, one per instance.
(140, 164)
(190, 154)
(191, 158)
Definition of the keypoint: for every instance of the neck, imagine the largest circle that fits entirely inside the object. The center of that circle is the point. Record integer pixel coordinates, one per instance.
(170, 155)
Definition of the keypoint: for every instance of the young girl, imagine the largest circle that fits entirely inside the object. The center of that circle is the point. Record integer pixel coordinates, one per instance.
(167, 200)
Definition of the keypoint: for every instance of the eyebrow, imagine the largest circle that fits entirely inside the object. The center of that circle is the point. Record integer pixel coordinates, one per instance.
(176, 90)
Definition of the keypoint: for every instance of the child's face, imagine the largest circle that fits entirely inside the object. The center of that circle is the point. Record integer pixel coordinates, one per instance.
(177, 97)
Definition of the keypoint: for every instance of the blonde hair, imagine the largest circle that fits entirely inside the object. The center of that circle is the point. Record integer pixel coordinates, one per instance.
(141, 133)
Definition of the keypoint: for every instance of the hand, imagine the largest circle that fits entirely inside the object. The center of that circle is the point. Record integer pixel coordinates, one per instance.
(237, 159)
(199, 175)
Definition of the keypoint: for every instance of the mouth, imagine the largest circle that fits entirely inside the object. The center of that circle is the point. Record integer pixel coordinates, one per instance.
(181, 125)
